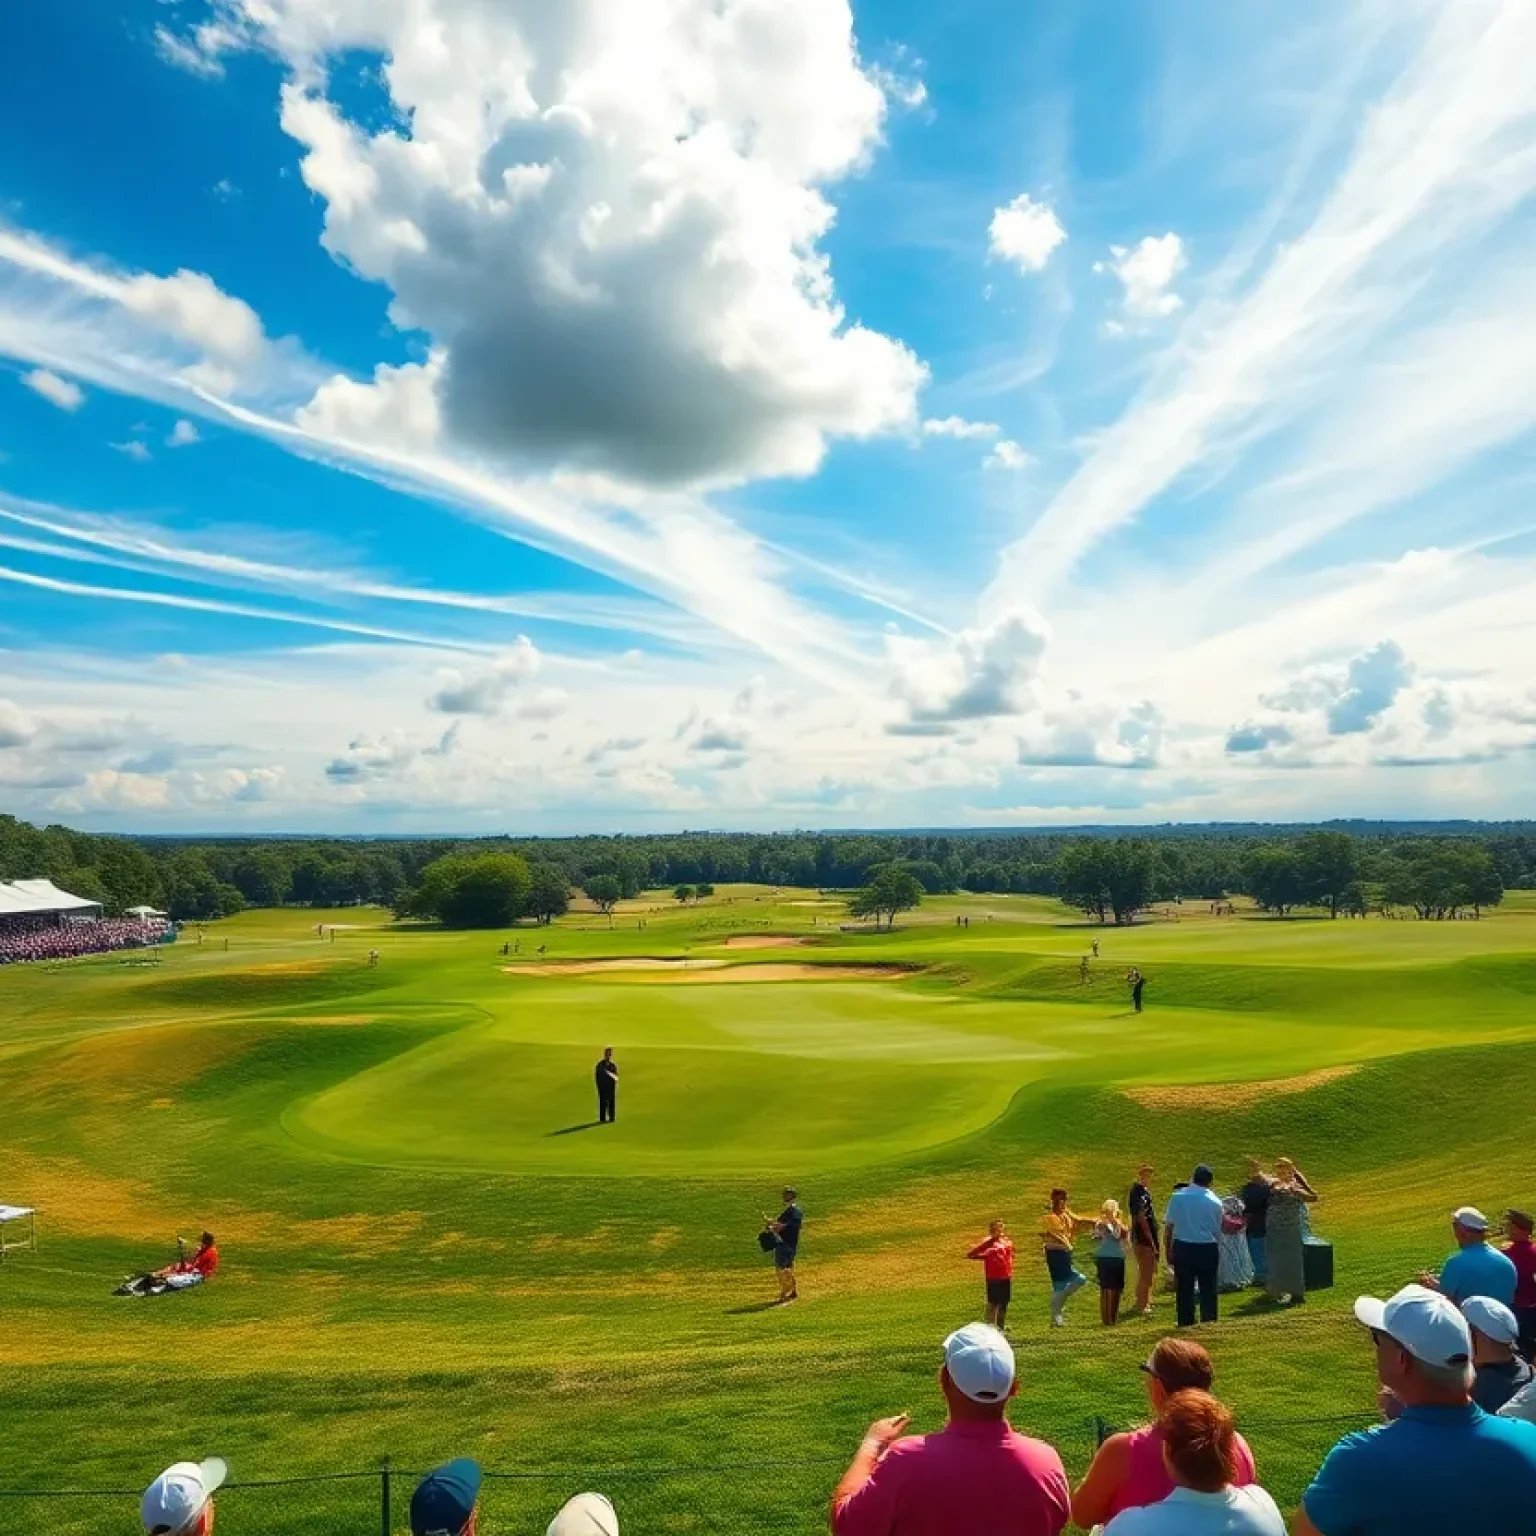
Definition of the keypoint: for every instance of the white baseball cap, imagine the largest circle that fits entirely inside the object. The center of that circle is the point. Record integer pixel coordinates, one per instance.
(179, 1495)
(980, 1363)
(588, 1514)
(1470, 1217)
(1424, 1322)
(1492, 1319)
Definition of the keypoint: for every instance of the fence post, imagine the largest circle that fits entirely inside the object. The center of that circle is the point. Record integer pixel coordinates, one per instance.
(385, 1522)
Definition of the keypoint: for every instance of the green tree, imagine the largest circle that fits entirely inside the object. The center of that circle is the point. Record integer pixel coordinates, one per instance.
(893, 888)
(684, 894)
(605, 893)
(1082, 876)
(487, 890)
(1132, 870)
(1273, 877)
(703, 889)
(262, 878)
(1328, 864)
(549, 893)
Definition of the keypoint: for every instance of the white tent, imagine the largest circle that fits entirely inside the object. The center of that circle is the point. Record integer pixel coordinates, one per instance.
(145, 912)
(25, 898)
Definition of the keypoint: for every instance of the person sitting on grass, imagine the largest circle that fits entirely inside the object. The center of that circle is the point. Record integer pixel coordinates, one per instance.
(180, 1501)
(1200, 1450)
(1498, 1372)
(447, 1500)
(187, 1272)
(1129, 1469)
(996, 1254)
(977, 1474)
(1443, 1465)
(1474, 1269)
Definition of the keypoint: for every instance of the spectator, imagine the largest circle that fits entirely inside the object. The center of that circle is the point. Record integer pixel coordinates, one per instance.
(446, 1500)
(588, 1514)
(180, 1501)
(1058, 1228)
(1143, 1237)
(1193, 1223)
(1474, 1269)
(1290, 1194)
(1521, 1252)
(996, 1253)
(1498, 1372)
(1200, 1447)
(1255, 1197)
(1128, 1469)
(787, 1230)
(203, 1265)
(1522, 1405)
(1234, 1263)
(1443, 1465)
(978, 1474)
(1109, 1261)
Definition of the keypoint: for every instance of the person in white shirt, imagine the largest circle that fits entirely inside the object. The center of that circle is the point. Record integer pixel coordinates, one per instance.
(1193, 1227)
(1199, 1447)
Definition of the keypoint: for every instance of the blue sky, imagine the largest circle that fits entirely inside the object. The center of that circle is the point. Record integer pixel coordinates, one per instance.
(758, 413)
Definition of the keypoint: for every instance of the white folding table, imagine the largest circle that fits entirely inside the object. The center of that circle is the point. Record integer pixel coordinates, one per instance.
(15, 1216)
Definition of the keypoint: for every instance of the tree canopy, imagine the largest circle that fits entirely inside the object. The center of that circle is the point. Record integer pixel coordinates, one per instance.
(893, 889)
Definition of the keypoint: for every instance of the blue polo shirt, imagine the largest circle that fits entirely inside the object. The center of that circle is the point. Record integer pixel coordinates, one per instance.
(1194, 1213)
(1432, 1472)
(1479, 1271)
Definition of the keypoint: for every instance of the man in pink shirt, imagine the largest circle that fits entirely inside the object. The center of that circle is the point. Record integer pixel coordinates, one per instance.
(976, 1475)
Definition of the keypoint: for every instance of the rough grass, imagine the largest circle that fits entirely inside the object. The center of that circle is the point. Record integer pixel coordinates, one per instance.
(403, 1275)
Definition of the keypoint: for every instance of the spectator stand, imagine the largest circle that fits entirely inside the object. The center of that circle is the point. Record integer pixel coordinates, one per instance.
(14, 1216)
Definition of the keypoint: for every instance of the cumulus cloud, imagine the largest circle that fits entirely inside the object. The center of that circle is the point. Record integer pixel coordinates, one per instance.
(484, 693)
(17, 727)
(399, 409)
(1025, 233)
(64, 393)
(192, 307)
(1371, 683)
(608, 218)
(1006, 455)
(1078, 735)
(370, 758)
(959, 427)
(1146, 272)
(133, 449)
(974, 675)
(183, 435)
(1257, 736)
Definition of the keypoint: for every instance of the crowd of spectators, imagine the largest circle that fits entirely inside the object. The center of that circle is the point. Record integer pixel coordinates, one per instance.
(44, 937)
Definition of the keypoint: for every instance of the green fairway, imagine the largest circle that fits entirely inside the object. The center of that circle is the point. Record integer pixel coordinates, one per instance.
(430, 1249)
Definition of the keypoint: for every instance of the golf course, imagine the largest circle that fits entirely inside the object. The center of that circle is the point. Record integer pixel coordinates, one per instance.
(430, 1249)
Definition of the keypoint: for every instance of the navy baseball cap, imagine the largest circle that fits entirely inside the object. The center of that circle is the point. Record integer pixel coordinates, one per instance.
(445, 1499)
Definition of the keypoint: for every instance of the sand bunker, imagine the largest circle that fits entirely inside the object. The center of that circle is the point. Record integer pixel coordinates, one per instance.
(624, 963)
(713, 971)
(1230, 1095)
(764, 941)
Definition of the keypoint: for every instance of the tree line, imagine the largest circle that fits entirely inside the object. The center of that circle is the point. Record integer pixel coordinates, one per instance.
(1432, 871)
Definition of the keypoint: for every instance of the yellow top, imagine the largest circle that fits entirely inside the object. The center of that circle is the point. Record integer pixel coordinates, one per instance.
(1059, 1228)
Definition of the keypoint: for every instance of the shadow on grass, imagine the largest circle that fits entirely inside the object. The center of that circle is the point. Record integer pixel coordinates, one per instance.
(570, 1130)
(756, 1306)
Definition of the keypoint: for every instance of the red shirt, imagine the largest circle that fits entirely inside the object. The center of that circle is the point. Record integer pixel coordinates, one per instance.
(971, 1479)
(1522, 1254)
(203, 1263)
(996, 1254)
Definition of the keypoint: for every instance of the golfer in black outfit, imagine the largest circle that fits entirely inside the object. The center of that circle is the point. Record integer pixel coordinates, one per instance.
(607, 1074)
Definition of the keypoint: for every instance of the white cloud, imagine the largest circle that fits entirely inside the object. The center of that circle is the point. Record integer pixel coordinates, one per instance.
(400, 408)
(182, 435)
(1006, 455)
(484, 693)
(64, 393)
(608, 223)
(1075, 734)
(17, 727)
(1025, 233)
(1146, 271)
(192, 307)
(959, 427)
(133, 449)
(975, 675)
